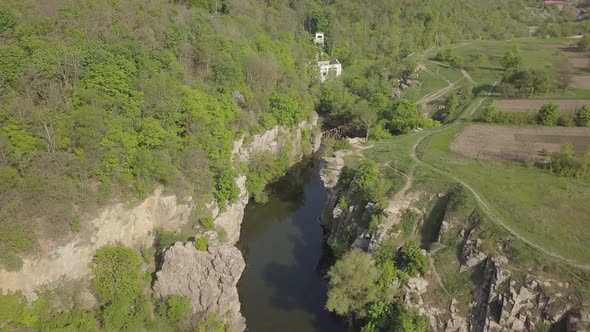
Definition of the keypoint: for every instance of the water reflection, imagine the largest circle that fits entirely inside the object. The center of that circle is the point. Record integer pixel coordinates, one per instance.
(281, 288)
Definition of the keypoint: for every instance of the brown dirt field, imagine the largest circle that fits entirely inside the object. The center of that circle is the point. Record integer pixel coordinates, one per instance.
(579, 60)
(581, 82)
(568, 106)
(519, 144)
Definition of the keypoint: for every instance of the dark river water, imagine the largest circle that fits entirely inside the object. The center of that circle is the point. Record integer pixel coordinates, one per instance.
(282, 288)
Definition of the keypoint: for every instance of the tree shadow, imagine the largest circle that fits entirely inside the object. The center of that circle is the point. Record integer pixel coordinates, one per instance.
(431, 227)
(485, 88)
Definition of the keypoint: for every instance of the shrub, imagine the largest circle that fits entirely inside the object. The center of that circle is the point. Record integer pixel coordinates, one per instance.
(548, 115)
(565, 121)
(341, 144)
(370, 182)
(449, 57)
(379, 132)
(288, 110)
(583, 116)
(212, 323)
(202, 243)
(343, 203)
(208, 223)
(226, 189)
(116, 277)
(512, 58)
(175, 308)
(567, 163)
(412, 259)
(7, 21)
(374, 223)
(352, 283)
(115, 273)
(489, 115)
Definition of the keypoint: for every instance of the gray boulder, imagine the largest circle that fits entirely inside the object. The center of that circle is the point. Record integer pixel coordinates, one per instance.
(208, 278)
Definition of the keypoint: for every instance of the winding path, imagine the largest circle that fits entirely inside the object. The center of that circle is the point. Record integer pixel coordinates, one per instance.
(479, 198)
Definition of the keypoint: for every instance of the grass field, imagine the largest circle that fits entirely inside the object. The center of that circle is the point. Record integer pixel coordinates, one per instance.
(547, 210)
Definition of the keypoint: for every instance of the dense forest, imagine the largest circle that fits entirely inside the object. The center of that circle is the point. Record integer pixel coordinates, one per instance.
(103, 100)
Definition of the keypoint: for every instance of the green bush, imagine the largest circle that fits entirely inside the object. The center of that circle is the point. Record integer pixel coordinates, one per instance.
(343, 203)
(175, 308)
(202, 243)
(568, 163)
(374, 223)
(352, 284)
(548, 115)
(582, 116)
(212, 323)
(489, 114)
(12, 243)
(412, 261)
(115, 273)
(226, 189)
(264, 168)
(370, 182)
(116, 283)
(208, 223)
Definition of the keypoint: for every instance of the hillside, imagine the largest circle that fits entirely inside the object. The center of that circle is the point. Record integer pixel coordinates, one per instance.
(108, 109)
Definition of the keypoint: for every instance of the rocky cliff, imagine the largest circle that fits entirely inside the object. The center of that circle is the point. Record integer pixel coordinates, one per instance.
(211, 285)
(208, 278)
(501, 295)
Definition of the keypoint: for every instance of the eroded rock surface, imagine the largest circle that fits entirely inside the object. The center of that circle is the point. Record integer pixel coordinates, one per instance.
(208, 278)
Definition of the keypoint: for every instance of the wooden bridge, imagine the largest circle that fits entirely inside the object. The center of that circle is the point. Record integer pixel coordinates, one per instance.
(338, 132)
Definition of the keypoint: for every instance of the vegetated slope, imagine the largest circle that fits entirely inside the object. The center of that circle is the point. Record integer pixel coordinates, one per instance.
(104, 99)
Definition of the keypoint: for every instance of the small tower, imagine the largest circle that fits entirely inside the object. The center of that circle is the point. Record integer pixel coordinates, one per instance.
(319, 38)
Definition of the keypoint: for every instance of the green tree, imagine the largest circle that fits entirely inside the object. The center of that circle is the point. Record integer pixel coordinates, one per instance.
(512, 58)
(226, 189)
(352, 284)
(370, 182)
(115, 273)
(403, 117)
(288, 110)
(548, 115)
(116, 277)
(489, 114)
(12, 60)
(366, 116)
(583, 116)
(412, 259)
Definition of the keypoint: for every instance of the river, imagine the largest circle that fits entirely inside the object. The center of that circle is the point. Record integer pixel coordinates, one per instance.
(282, 288)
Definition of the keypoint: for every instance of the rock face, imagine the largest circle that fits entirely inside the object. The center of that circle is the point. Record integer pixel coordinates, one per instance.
(471, 254)
(273, 141)
(115, 224)
(208, 278)
(134, 227)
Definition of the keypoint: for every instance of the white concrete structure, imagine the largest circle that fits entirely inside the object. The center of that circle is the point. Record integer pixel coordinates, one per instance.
(319, 38)
(329, 68)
